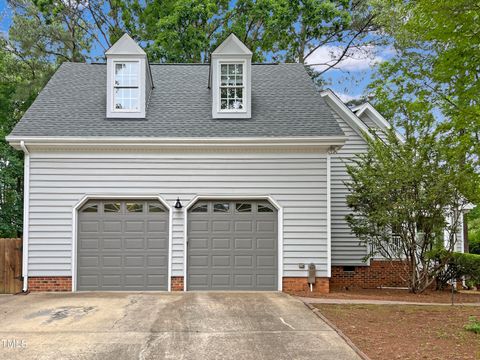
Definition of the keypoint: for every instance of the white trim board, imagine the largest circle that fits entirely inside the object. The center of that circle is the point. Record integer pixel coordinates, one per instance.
(181, 142)
(26, 213)
(346, 113)
(236, 197)
(86, 198)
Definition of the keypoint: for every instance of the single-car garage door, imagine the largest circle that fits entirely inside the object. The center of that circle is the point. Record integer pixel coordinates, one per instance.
(232, 245)
(122, 245)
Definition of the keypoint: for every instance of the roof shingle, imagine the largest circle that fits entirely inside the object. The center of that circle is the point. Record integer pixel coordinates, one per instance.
(285, 103)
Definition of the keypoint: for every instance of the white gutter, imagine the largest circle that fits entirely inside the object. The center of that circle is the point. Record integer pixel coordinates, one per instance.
(176, 142)
(26, 208)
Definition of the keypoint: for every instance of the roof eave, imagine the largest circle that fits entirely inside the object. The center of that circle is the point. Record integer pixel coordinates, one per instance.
(172, 142)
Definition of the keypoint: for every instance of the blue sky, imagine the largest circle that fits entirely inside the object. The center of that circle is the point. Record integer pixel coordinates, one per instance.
(348, 80)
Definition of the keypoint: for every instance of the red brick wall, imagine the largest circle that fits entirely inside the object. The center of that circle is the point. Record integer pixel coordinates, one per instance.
(299, 286)
(177, 283)
(50, 283)
(379, 273)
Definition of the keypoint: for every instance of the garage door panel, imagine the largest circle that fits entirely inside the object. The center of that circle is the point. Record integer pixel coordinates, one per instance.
(243, 244)
(128, 249)
(266, 244)
(221, 226)
(243, 225)
(111, 244)
(237, 246)
(244, 261)
(89, 227)
(221, 244)
(157, 226)
(198, 243)
(221, 280)
(110, 226)
(112, 261)
(221, 260)
(90, 244)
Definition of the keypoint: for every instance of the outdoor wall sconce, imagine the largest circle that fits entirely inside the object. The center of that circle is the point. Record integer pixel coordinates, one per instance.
(178, 204)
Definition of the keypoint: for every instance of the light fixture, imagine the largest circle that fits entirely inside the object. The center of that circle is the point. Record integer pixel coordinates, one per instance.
(178, 204)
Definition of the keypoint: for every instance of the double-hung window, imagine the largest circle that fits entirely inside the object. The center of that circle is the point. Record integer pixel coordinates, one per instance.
(232, 87)
(126, 92)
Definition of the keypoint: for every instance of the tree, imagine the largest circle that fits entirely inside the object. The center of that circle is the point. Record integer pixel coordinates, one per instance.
(410, 188)
(437, 59)
(20, 82)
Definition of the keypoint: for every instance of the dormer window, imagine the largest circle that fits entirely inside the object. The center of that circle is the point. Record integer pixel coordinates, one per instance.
(127, 86)
(231, 79)
(129, 80)
(232, 88)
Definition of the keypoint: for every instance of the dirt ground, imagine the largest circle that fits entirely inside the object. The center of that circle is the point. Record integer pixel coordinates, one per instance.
(404, 295)
(407, 332)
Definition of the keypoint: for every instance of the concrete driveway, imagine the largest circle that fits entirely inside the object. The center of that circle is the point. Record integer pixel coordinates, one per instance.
(193, 325)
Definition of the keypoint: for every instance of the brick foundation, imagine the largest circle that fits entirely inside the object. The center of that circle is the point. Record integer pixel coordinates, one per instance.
(177, 283)
(379, 273)
(299, 286)
(50, 283)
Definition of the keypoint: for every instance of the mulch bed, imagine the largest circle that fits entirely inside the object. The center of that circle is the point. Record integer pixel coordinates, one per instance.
(404, 295)
(407, 332)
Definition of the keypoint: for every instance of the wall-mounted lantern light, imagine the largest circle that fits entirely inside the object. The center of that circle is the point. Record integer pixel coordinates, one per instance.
(178, 204)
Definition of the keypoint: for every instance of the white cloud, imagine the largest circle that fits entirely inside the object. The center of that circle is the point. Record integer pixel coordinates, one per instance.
(356, 59)
(346, 97)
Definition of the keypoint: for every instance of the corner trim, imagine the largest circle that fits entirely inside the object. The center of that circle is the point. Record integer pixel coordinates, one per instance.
(26, 212)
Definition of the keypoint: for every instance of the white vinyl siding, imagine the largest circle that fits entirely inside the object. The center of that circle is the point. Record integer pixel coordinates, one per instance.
(367, 120)
(296, 180)
(346, 249)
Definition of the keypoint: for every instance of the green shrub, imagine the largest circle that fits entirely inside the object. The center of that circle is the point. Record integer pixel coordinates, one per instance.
(473, 325)
(459, 265)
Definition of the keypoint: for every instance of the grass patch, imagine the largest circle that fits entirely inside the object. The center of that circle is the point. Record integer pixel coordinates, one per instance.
(473, 325)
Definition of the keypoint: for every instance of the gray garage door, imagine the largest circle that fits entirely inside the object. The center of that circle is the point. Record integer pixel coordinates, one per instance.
(232, 245)
(122, 245)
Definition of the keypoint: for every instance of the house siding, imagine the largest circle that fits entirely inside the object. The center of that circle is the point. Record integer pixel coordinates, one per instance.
(346, 249)
(59, 180)
(367, 120)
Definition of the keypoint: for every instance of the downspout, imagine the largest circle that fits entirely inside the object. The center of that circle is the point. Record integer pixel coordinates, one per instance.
(26, 208)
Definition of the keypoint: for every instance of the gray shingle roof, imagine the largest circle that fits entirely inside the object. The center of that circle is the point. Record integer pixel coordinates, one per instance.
(285, 103)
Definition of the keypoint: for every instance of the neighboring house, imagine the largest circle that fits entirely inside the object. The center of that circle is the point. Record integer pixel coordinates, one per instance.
(227, 176)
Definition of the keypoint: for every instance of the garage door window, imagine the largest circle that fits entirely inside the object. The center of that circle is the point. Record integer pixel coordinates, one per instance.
(154, 208)
(221, 207)
(264, 209)
(243, 207)
(111, 207)
(201, 208)
(134, 207)
(90, 208)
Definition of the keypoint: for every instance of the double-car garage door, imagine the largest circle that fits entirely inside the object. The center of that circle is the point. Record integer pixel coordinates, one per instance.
(123, 245)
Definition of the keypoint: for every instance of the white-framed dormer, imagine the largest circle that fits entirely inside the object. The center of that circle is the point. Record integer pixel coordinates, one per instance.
(129, 81)
(231, 71)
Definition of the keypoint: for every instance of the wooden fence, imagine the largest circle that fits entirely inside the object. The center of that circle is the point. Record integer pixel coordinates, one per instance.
(10, 266)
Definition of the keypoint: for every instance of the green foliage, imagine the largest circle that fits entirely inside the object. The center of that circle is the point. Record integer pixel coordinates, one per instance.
(473, 221)
(189, 30)
(21, 78)
(406, 187)
(473, 325)
(436, 64)
(458, 265)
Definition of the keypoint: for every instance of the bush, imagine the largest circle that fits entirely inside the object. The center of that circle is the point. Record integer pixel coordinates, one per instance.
(459, 265)
(473, 325)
